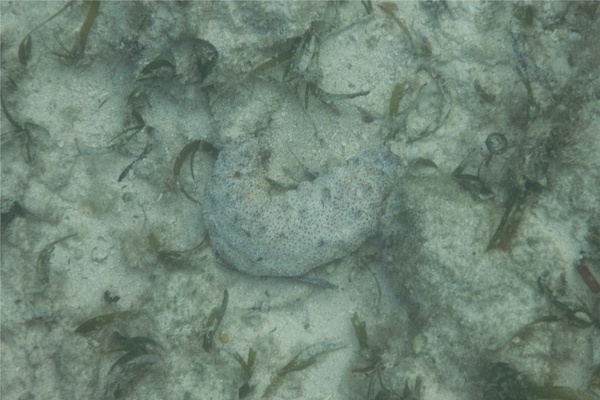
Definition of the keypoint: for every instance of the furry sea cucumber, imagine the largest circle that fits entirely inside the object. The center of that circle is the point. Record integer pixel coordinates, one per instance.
(289, 234)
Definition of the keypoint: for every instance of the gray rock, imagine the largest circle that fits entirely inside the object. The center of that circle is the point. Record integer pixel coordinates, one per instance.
(291, 233)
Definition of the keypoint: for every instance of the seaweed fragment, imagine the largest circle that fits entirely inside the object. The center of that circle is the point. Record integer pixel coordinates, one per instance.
(157, 64)
(571, 310)
(141, 355)
(23, 131)
(121, 139)
(133, 344)
(395, 98)
(474, 185)
(43, 261)
(510, 221)
(277, 59)
(129, 369)
(247, 371)
(302, 360)
(322, 283)
(9, 211)
(371, 355)
(162, 66)
(302, 69)
(149, 146)
(526, 331)
(444, 107)
(470, 183)
(503, 382)
(360, 331)
(304, 57)
(587, 276)
(140, 358)
(390, 9)
(328, 98)
(124, 137)
(213, 323)
(78, 49)
(99, 322)
(425, 47)
(87, 25)
(532, 104)
(523, 177)
(173, 258)
(29, 128)
(435, 88)
(189, 151)
(374, 368)
(24, 50)
(524, 67)
(484, 94)
(368, 5)
(9, 116)
(531, 170)
(206, 57)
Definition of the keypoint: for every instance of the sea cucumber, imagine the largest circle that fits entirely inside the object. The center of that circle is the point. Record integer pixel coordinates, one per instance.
(289, 234)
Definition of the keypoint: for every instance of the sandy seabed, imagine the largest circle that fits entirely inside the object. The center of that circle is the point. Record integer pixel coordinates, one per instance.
(479, 283)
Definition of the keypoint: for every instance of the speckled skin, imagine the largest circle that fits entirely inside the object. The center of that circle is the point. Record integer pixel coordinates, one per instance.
(291, 233)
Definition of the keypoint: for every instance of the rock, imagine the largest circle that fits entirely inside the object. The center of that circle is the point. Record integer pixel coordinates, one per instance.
(289, 234)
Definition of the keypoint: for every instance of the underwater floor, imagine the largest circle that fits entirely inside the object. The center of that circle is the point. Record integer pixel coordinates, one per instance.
(300, 200)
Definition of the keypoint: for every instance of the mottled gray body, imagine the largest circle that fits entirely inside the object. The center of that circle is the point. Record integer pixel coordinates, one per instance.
(291, 233)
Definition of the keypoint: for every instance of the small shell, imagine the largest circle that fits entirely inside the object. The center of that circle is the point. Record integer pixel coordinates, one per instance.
(496, 143)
